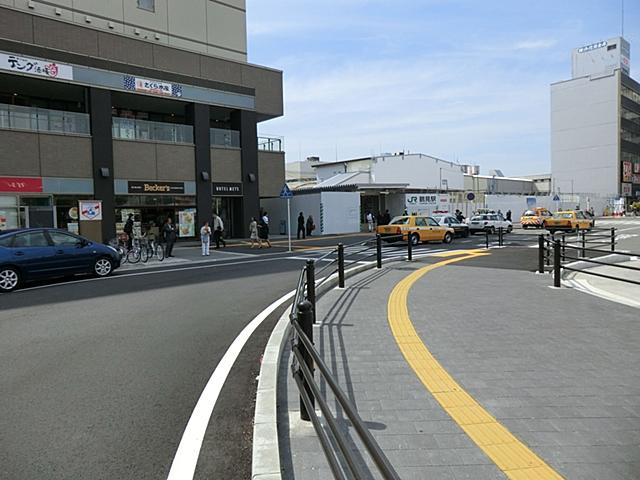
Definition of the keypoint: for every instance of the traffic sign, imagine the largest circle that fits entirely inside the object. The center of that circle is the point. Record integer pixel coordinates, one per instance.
(556, 198)
(471, 196)
(286, 192)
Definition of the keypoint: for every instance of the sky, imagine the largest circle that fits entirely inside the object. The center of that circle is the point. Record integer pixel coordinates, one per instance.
(462, 80)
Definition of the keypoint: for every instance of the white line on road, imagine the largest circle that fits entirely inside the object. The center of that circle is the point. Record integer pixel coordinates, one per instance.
(186, 459)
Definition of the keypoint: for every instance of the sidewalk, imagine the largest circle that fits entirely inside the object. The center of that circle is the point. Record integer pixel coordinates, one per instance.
(556, 368)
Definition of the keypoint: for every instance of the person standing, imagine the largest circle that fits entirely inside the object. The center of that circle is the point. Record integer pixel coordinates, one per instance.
(169, 234)
(128, 229)
(310, 225)
(218, 231)
(508, 215)
(386, 217)
(263, 230)
(205, 238)
(253, 233)
(369, 219)
(300, 226)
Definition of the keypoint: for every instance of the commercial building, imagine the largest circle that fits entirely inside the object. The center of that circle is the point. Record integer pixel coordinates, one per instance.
(595, 125)
(149, 106)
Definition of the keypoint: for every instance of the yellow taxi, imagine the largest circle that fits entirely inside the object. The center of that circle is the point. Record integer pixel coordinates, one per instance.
(534, 218)
(421, 228)
(568, 220)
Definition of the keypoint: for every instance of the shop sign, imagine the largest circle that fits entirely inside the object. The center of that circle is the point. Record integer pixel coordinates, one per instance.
(627, 190)
(626, 171)
(153, 87)
(19, 184)
(227, 189)
(156, 187)
(421, 200)
(635, 178)
(32, 66)
(636, 167)
(90, 210)
(187, 223)
(593, 46)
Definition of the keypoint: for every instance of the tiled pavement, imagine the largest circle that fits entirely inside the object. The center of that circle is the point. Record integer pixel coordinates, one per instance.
(560, 369)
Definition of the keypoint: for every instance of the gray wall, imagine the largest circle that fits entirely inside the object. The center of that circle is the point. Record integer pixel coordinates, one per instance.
(226, 165)
(38, 154)
(153, 161)
(270, 173)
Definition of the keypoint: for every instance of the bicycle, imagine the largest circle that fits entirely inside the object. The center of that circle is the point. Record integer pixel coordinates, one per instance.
(137, 253)
(149, 249)
(120, 244)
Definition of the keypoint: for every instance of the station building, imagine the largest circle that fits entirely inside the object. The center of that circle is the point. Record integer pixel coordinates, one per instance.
(149, 106)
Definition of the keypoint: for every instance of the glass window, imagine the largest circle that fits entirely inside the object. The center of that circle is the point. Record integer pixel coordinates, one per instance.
(432, 222)
(6, 241)
(421, 222)
(149, 5)
(579, 215)
(30, 239)
(63, 239)
(400, 221)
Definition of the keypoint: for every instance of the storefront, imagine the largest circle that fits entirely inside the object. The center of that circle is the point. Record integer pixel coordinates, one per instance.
(227, 204)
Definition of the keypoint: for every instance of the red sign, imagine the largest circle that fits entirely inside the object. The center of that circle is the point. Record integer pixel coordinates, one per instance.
(18, 184)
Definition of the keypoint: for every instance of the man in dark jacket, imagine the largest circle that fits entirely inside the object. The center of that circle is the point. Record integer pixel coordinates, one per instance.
(169, 234)
(128, 229)
(301, 225)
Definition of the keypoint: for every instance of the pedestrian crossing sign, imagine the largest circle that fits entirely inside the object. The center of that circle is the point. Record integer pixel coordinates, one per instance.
(286, 192)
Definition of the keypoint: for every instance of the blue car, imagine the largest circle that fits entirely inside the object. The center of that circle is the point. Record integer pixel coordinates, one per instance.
(41, 253)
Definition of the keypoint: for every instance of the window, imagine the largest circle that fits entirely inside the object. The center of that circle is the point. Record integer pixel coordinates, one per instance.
(63, 239)
(30, 239)
(420, 222)
(6, 241)
(580, 215)
(149, 5)
(432, 222)
(400, 221)
(611, 47)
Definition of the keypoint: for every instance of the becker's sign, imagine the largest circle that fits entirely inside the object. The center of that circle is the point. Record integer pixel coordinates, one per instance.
(166, 188)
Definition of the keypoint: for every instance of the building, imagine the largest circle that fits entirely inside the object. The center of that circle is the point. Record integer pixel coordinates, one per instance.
(595, 125)
(301, 174)
(149, 106)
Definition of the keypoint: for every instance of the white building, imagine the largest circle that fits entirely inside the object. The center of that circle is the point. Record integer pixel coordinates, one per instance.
(595, 124)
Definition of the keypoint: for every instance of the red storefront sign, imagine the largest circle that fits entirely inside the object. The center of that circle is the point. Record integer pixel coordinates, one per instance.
(20, 184)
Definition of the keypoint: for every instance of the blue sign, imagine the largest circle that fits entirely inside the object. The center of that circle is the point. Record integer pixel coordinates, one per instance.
(556, 198)
(531, 202)
(471, 196)
(286, 192)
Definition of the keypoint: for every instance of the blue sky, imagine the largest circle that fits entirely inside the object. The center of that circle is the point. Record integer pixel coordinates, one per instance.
(463, 80)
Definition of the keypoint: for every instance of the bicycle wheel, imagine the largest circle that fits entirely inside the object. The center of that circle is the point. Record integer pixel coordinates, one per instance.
(144, 254)
(133, 256)
(159, 252)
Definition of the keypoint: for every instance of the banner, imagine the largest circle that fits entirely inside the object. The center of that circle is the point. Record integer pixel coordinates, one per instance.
(626, 171)
(90, 210)
(19, 184)
(627, 190)
(186, 223)
(32, 66)
(153, 87)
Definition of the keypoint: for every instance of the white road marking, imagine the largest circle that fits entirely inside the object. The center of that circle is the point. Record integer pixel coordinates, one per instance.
(186, 459)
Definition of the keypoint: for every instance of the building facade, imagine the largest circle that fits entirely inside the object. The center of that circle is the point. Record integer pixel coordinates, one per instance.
(595, 124)
(148, 106)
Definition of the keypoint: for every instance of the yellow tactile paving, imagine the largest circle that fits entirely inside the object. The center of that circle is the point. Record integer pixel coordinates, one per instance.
(509, 454)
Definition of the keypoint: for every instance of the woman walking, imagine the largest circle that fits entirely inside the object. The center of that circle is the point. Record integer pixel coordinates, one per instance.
(310, 225)
(263, 231)
(253, 233)
(205, 238)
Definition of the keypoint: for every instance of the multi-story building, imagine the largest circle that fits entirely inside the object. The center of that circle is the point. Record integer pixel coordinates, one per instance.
(147, 105)
(595, 124)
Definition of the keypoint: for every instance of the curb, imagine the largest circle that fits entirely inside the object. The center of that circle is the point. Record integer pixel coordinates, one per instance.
(265, 464)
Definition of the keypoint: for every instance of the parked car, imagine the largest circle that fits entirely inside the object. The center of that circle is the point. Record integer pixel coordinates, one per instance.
(460, 229)
(490, 223)
(41, 253)
(534, 218)
(569, 220)
(421, 229)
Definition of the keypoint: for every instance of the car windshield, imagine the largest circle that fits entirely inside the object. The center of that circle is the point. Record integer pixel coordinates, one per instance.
(529, 213)
(479, 217)
(399, 221)
(563, 215)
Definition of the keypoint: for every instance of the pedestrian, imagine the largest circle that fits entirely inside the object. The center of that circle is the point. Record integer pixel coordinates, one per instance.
(263, 230)
(253, 233)
(218, 231)
(310, 225)
(369, 218)
(405, 213)
(459, 216)
(169, 234)
(300, 226)
(387, 217)
(128, 229)
(509, 215)
(205, 238)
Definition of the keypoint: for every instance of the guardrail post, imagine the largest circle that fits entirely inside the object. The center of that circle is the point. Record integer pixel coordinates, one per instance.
(486, 239)
(311, 287)
(340, 265)
(409, 247)
(541, 253)
(547, 251)
(305, 320)
(556, 264)
(613, 239)
(564, 243)
(379, 251)
(584, 243)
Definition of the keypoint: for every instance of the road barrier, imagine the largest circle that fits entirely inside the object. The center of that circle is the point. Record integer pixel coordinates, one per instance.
(306, 359)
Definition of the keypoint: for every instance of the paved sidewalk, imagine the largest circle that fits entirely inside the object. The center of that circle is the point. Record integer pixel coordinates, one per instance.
(557, 368)
(623, 292)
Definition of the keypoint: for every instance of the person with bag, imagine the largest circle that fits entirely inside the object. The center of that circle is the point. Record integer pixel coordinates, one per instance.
(205, 238)
(300, 226)
(218, 231)
(263, 231)
(128, 229)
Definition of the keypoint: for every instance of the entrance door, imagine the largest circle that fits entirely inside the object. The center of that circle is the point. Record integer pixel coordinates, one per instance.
(225, 208)
(37, 212)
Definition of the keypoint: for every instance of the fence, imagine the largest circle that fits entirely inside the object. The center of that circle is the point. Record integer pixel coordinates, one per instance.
(133, 129)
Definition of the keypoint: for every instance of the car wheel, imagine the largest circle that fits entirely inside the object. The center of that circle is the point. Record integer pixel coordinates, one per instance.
(447, 238)
(9, 279)
(524, 227)
(103, 267)
(415, 239)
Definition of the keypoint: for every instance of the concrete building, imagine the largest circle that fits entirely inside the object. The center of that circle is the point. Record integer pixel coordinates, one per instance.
(149, 106)
(595, 124)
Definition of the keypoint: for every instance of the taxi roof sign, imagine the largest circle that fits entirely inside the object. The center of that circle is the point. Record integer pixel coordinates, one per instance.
(286, 192)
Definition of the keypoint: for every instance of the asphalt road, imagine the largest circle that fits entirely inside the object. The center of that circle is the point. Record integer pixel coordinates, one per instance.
(99, 376)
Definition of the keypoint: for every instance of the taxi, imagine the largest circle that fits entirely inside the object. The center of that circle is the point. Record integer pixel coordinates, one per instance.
(534, 218)
(421, 228)
(568, 220)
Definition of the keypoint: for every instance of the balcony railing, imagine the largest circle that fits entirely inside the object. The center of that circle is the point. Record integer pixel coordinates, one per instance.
(34, 119)
(133, 129)
(271, 144)
(224, 138)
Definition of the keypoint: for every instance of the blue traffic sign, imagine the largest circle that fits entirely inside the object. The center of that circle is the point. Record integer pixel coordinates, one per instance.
(556, 198)
(286, 192)
(471, 196)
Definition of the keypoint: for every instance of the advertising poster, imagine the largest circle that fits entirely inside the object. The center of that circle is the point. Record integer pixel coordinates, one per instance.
(73, 227)
(187, 223)
(90, 210)
(3, 221)
(627, 190)
(626, 171)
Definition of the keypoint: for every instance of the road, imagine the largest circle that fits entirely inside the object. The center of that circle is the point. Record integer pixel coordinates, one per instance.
(100, 376)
